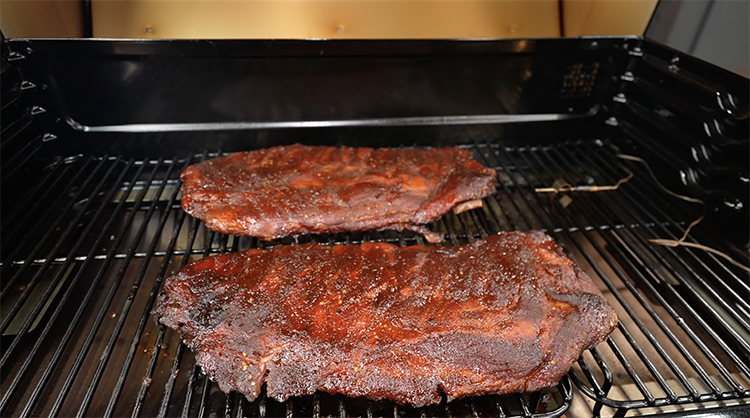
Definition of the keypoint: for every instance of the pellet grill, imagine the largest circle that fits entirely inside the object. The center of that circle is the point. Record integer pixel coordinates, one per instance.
(95, 133)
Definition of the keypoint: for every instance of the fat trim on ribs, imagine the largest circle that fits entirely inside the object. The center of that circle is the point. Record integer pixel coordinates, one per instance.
(508, 313)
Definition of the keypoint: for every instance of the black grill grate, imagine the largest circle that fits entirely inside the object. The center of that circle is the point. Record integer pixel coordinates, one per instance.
(87, 248)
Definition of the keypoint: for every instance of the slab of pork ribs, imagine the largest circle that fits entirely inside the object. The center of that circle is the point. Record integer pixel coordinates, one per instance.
(292, 190)
(508, 313)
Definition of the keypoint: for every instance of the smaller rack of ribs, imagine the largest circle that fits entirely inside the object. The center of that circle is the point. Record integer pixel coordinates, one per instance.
(509, 313)
(291, 190)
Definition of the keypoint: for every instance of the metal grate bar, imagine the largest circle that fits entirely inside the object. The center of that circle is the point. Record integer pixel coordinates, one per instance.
(22, 135)
(717, 279)
(618, 353)
(16, 127)
(606, 372)
(189, 389)
(500, 410)
(40, 226)
(636, 379)
(104, 359)
(658, 201)
(10, 348)
(592, 380)
(117, 256)
(50, 289)
(655, 149)
(194, 373)
(631, 372)
(316, 406)
(467, 220)
(204, 399)
(38, 201)
(626, 282)
(719, 366)
(658, 320)
(147, 310)
(223, 239)
(452, 233)
(23, 117)
(654, 197)
(23, 156)
(620, 356)
(499, 215)
(67, 234)
(239, 413)
(660, 350)
(658, 208)
(514, 202)
(81, 356)
(525, 408)
(696, 339)
(228, 405)
(169, 387)
(224, 247)
(690, 289)
(146, 381)
(596, 411)
(74, 322)
(483, 229)
(701, 299)
(649, 336)
(634, 376)
(54, 173)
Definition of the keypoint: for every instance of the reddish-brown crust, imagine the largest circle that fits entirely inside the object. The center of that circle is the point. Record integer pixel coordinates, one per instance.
(291, 190)
(509, 313)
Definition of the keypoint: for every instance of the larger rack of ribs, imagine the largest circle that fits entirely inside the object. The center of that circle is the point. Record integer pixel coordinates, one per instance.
(292, 190)
(508, 313)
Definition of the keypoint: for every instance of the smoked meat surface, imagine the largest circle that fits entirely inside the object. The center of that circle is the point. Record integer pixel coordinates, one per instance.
(291, 190)
(508, 313)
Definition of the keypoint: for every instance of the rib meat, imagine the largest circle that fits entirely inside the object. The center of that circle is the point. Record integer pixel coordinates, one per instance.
(509, 313)
(291, 190)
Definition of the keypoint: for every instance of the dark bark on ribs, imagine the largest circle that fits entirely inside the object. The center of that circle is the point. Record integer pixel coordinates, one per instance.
(510, 313)
(291, 190)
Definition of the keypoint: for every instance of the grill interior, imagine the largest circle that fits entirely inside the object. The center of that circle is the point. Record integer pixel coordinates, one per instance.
(87, 244)
(84, 277)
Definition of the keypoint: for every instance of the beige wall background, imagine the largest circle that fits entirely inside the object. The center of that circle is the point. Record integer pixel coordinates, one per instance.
(326, 18)
(41, 19)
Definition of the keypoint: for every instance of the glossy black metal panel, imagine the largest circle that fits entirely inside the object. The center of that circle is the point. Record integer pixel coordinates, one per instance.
(101, 83)
(692, 120)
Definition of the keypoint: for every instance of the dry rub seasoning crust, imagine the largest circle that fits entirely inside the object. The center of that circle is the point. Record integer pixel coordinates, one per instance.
(509, 313)
(291, 190)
